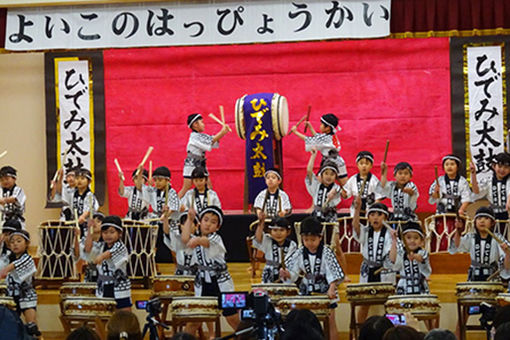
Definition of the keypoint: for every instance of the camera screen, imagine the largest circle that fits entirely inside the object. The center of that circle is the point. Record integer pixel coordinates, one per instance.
(474, 310)
(141, 304)
(233, 300)
(396, 319)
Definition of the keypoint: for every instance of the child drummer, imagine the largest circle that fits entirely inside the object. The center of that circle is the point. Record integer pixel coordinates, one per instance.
(273, 202)
(138, 207)
(322, 272)
(12, 196)
(378, 247)
(198, 144)
(200, 197)
(172, 237)
(276, 246)
(402, 192)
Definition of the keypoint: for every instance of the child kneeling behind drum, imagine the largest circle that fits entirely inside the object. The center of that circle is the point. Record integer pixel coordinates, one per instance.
(322, 271)
(18, 276)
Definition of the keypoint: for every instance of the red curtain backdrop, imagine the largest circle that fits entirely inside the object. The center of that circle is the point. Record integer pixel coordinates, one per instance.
(380, 89)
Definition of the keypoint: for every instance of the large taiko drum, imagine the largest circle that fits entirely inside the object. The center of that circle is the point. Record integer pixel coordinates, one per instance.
(56, 245)
(346, 235)
(69, 289)
(88, 306)
(416, 304)
(440, 229)
(173, 285)
(374, 292)
(195, 307)
(8, 302)
(318, 304)
(277, 291)
(140, 240)
(478, 292)
(279, 116)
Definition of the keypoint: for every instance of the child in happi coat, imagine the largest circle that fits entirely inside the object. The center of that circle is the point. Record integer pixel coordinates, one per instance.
(18, 276)
(212, 277)
(12, 197)
(378, 246)
(198, 144)
(172, 237)
(322, 272)
(161, 192)
(276, 246)
(111, 257)
(94, 230)
(201, 196)
(487, 255)
(495, 188)
(83, 202)
(273, 202)
(138, 207)
(364, 180)
(402, 192)
(8, 228)
(326, 142)
(63, 186)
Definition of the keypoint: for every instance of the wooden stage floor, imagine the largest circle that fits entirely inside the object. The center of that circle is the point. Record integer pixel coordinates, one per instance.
(448, 271)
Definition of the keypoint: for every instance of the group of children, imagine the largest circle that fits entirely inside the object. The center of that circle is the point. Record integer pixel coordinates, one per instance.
(190, 219)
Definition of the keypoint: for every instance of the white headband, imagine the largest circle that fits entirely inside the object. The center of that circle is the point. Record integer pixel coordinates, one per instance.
(382, 211)
(111, 225)
(360, 157)
(273, 172)
(197, 117)
(20, 234)
(455, 158)
(332, 168)
(485, 215)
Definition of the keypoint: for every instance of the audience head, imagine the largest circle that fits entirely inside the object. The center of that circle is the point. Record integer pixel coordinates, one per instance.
(440, 334)
(502, 331)
(402, 333)
(83, 333)
(302, 324)
(374, 328)
(123, 325)
(502, 316)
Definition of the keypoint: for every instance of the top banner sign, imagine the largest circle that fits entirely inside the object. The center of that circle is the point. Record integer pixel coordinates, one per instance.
(194, 23)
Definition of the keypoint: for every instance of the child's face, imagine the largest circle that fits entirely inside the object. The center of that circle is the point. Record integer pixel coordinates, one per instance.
(272, 181)
(82, 182)
(110, 235)
(96, 226)
(71, 180)
(328, 177)
(5, 237)
(413, 240)
(364, 166)
(18, 244)
(200, 183)
(209, 224)
(450, 168)
(482, 223)
(7, 182)
(198, 126)
(323, 128)
(501, 170)
(160, 183)
(376, 219)
(403, 176)
(279, 234)
(311, 242)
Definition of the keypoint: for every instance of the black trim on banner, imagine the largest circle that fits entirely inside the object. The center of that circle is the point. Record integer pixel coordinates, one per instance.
(96, 59)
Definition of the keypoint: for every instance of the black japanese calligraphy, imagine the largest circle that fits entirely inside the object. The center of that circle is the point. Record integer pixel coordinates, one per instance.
(485, 135)
(237, 20)
(73, 119)
(344, 13)
(73, 146)
(198, 24)
(164, 18)
(21, 36)
(302, 11)
(83, 36)
(121, 21)
(265, 26)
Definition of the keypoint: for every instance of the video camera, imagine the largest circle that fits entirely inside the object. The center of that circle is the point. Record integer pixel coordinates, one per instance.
(152, 306)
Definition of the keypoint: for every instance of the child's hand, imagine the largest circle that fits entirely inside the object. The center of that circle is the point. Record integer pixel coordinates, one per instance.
(261, 215)
(309, 125)
(282, 213)
(347, 279)
(2, 201)
(393, 234)
(408, 191)
(384, 167)
(81, 220)
(193, 242)
(357, 203)
(313, 150)
(3, 273)
(472, 168)
(505, 247)
(284, 274)
(166, 212)
(332, 292)
(191, 214)
(461, 212)
(121, 175)
(331, 194)
(293, 129)
(414, 256)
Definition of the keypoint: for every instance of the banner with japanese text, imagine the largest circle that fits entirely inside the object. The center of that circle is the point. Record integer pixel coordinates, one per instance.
(194, 23)
(75, 117)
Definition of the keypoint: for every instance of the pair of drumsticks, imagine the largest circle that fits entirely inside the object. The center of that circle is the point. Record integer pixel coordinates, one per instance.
(305, 117)
(140, 166)
(222, 121)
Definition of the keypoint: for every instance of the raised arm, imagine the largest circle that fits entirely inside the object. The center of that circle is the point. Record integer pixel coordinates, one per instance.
(220, 134)
(186, 228)
(384, 173)
(259, 233)
(474, 180)
(297, 133)
(355, 218)
(311, 162)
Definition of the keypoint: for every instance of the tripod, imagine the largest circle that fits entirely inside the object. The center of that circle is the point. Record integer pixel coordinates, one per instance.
(150, 326)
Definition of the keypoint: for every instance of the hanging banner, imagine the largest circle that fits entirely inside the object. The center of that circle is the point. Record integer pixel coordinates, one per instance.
(197, 23)
(485, 79)
(71, 118)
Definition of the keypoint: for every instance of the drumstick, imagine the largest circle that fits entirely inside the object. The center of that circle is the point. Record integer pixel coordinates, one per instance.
(222, 114)
(493, 275)
(299, 122)
(500, 241)
(55, 177)
(3, 153)
(150, 171)
(219, 121)
(386, 150)
(378, 271)
(116, 161)
(437, 176)
(147, 154)
(166, 194)
(76, 218)
(308, 116)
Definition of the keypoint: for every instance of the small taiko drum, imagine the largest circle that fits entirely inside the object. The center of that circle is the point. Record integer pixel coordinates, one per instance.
(441, 228)
(69, 289)
(3, 288)
(279, 114)
(416, 304)
(195, 307)
(318, 304)
(173, 285)
(346, 235)
(88, 306)
(503, 299)
(140, 240)
(375, 292)
(277, 291)
(478, 292)
(8, 302)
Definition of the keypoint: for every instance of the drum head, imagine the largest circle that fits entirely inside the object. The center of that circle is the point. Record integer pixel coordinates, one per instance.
(239, 118)
(280, 116)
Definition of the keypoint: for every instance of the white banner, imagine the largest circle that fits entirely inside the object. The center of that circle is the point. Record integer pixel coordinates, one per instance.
(485, 88)
(75, 116)
(194, 23)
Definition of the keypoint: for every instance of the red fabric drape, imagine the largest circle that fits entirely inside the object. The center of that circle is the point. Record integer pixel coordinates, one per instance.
(444, 15)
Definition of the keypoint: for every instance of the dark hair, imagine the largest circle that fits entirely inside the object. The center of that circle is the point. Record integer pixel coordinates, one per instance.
(198, 172)
(502, 316)
(303, 323)
(502, 331)
(440, 334)
(83, 333)
(374, 328)
(183, 336)
(402, 333)
(123, 322)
